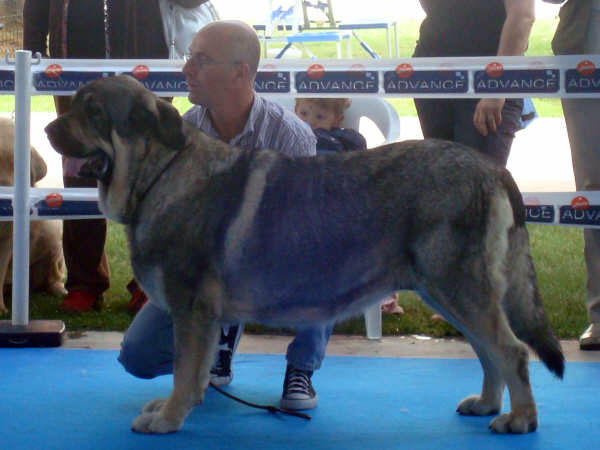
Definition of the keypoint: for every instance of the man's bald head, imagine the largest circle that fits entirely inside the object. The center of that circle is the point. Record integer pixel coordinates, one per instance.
(235, 40)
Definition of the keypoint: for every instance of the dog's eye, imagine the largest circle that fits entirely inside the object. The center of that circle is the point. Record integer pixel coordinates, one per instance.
(95, 114)
(92, 110)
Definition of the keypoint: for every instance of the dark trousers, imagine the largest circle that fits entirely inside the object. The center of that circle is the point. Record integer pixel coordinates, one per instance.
(83, 240)
(452, 119)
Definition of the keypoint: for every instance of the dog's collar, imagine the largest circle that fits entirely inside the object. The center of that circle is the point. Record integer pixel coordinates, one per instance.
(155, 165)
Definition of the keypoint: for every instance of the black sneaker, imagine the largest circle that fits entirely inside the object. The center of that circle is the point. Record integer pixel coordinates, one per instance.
(221, 373)
(298, 392)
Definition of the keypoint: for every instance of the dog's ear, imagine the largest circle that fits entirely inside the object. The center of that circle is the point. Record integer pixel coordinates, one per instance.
(167, 124)
(170, 125)
(37, 166)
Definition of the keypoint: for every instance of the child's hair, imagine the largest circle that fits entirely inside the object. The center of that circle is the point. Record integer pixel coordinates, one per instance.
(337, 105)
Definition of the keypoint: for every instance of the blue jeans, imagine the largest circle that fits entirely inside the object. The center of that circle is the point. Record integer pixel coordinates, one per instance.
(147, 347)
(452, 120)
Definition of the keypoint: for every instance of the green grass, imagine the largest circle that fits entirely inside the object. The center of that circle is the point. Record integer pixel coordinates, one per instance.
(557, 251)
(558, 257)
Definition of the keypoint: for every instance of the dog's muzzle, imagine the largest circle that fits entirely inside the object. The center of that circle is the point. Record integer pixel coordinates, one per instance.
(98, 166)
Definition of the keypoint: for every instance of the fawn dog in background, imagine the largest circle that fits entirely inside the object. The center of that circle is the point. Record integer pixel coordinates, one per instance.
(46, 261)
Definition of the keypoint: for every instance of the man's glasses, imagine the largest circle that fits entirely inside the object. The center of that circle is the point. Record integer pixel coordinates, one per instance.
(200, 62)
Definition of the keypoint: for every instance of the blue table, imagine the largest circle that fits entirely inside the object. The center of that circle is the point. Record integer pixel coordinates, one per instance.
(341, 32)
(302, 38)
(382, 25)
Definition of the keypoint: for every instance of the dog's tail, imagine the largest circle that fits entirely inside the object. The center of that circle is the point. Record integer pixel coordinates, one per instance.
(522, 302)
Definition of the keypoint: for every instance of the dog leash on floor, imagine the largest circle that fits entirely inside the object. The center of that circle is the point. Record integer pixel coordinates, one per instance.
(270, 408)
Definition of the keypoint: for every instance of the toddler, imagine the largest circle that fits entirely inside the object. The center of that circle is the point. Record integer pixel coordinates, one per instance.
(325, 116)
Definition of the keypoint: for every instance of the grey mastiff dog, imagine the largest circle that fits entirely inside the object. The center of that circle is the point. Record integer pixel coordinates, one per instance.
(218, 234)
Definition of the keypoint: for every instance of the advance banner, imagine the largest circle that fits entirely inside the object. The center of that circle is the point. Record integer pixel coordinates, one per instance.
(581, 208)
(509, 76)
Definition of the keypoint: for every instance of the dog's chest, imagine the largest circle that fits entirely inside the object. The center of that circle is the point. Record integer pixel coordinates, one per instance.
(152, 282)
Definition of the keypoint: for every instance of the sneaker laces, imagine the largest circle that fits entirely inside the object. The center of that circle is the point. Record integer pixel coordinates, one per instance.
(298, 382)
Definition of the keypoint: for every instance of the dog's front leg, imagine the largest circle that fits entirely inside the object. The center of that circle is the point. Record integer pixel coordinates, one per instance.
(195, 345)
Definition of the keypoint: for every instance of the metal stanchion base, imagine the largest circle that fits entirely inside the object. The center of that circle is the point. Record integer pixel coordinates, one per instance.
(37, 333)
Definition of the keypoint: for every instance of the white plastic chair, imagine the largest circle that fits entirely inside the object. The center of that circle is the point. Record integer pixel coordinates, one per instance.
(385, 117)
(378, 110)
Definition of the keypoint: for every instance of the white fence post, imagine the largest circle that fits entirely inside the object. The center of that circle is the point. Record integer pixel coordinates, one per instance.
(20, 286)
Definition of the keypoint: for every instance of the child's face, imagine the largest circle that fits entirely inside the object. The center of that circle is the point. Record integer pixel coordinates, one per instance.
(317, 116)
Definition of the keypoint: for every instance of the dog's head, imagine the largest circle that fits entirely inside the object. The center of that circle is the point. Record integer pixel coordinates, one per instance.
(123, 129)
(38, 168)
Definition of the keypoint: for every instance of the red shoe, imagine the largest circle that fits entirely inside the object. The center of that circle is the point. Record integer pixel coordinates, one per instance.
(138, 298)
(80, 301)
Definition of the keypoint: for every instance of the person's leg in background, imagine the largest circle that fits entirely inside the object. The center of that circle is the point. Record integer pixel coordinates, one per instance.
(581, 117)
(495, 145)
(584, 139)
(83, 245)
(452, 119)
(147, 347)
(436, 117)
(304, 355)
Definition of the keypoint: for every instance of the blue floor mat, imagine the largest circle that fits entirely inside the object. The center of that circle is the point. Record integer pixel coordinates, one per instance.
(83, 399)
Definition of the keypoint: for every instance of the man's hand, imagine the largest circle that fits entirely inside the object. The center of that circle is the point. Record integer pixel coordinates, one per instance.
(488, 115)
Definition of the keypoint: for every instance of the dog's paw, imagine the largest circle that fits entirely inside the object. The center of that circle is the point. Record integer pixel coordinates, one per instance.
(57, 290)
(154, 405)
(513, 423)
(154, 423)
(475, 406)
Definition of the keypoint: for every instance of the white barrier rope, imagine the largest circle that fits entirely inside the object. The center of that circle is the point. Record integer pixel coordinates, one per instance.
(54, 203)
(572, 76)
(581, 208)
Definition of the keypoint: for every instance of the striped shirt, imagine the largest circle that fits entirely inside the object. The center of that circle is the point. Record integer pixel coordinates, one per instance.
(269, 126)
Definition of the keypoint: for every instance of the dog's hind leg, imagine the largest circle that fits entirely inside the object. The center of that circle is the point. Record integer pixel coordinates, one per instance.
(490, 400)
(482, 325)
(511, 357)
(469, 291)
(503, 357)
(48, 273)
(491, 332)
(195, 345)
